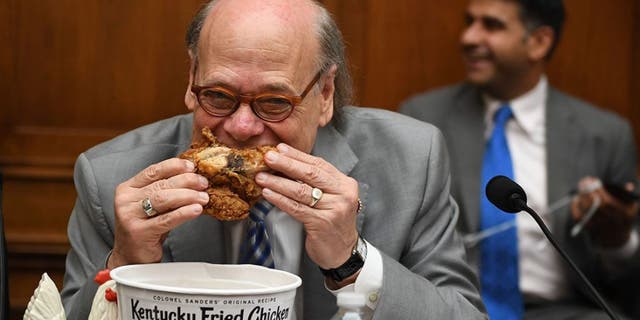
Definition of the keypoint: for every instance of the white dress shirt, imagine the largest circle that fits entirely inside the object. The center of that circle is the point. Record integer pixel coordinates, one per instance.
(541, 268)
(287, 244)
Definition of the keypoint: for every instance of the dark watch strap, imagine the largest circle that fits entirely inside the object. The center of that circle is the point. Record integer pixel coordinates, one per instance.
(351, 266)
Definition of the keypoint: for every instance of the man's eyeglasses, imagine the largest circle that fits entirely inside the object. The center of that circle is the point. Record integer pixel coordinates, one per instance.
(220, 102)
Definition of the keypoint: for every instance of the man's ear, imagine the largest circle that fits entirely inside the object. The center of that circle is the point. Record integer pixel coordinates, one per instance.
(540, 42)
(189, 98)
(327, 91)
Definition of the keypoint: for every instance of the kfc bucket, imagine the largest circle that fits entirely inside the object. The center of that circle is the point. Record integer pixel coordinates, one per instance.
(193, 290)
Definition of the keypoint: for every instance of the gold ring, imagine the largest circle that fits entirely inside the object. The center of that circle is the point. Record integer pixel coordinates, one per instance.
(360, 206)
(316, 195)
(148, 208)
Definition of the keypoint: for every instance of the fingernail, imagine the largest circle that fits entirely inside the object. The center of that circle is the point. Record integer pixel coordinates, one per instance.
(197, 208)
(260, 177)
(203, 196)
(283, 148)
(203, 181)
(267, 192)
(271, 156)
(190, 166)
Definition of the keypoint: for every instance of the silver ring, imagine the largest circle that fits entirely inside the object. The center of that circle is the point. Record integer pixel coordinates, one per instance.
(316, 195)
(148, 208)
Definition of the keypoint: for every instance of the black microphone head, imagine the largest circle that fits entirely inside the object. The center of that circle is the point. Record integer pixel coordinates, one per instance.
(505, 194)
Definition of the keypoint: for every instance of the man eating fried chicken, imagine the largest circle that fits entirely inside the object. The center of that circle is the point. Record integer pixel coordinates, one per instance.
(350, 198)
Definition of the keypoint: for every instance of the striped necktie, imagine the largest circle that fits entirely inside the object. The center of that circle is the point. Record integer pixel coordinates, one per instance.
(257, 248)
(499, 253)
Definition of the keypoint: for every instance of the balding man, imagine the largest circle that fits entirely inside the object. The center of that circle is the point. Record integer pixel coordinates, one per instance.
(360, 196)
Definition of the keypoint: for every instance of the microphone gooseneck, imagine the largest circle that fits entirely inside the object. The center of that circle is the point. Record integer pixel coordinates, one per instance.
(508, 196)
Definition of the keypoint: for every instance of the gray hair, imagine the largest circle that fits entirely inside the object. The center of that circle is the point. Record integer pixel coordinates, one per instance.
(332, 50)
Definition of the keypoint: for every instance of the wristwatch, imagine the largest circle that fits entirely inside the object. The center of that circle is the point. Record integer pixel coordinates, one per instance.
(353, 264)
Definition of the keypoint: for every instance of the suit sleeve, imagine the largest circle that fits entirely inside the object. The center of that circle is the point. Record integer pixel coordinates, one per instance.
(88, 234)
(413, 107)
(432, 279)
(622, 162)
(621, 168)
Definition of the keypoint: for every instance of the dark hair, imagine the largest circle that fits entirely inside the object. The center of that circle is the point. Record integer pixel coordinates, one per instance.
(332, 50)
(538, 13)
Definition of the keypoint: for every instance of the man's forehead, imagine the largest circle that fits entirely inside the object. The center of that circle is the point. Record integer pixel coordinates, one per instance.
(504, 10)
(246, 31)
(290, 12)
(251, 22)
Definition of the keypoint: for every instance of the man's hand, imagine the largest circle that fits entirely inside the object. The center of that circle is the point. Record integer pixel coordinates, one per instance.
(175, 193)
(613, 221)
(330, 224)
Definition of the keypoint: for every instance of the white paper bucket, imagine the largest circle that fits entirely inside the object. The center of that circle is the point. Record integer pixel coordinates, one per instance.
(201, 291)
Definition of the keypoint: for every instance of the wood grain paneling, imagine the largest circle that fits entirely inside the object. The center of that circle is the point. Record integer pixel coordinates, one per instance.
(114, 64)
(399, 48)
(74, 73)
(635, 79)
(594, 59)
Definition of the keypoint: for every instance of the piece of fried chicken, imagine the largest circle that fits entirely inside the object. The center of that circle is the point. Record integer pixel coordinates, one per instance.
(231, 172)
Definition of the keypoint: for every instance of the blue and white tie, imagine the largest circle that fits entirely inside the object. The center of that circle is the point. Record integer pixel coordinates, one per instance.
(499, 253)
(257, 248)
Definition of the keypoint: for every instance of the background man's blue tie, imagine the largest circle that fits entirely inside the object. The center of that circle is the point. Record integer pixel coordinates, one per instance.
(499, 253)
(257, 248)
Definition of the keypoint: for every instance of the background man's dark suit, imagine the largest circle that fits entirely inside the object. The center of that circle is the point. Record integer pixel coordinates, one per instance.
(581, 140)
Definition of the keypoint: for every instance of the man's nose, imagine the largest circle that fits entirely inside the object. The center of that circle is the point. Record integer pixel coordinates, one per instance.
(243, 124)
(471, 34)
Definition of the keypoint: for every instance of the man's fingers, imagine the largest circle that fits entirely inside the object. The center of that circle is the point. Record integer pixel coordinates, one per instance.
(184, 180)
(294, 208)
(295, 153)
(576, 211)
(161, 170)
(313, 171)
(166, 200)
(166, 222)
(294, 190)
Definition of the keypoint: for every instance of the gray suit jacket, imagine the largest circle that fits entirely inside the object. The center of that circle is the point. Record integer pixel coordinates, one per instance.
(403, 169)
(581, 140)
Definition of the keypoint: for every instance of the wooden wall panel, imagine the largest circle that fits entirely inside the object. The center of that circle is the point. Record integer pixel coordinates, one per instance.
(7, 37)
(100, 64)
(635, 79)
(594, 59)
(399, 48)
(74, 73)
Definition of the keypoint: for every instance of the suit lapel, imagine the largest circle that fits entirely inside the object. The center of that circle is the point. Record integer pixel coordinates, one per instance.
(465, 129)
(563, 150)
(334, 148)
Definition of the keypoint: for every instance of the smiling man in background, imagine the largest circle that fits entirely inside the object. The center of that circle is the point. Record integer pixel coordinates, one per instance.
(506, 119)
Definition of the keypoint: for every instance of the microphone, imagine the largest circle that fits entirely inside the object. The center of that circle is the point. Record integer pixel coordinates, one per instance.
(508, 196)
(505, 194)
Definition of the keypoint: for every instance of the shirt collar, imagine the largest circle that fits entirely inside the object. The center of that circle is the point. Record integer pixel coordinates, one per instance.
(528, 110)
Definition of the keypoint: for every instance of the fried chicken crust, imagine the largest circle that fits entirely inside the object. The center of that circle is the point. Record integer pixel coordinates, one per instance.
(231, 173)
